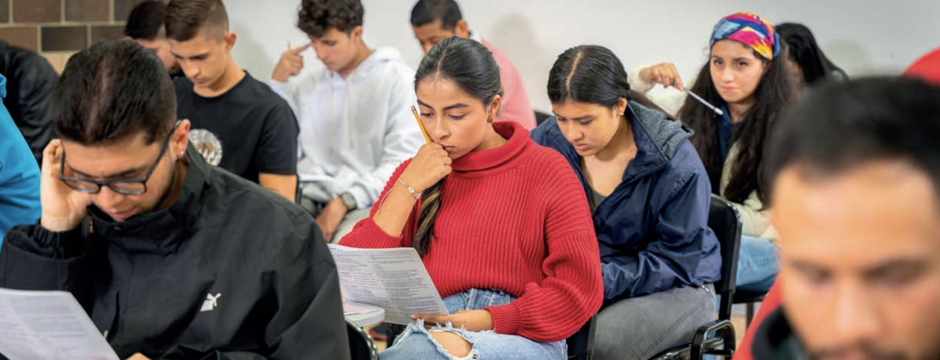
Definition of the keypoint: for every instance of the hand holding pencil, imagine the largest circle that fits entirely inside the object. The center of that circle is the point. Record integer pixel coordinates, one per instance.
(430, 165)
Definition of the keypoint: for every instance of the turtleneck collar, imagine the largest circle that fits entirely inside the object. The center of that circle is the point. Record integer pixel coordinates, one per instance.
(517, 138)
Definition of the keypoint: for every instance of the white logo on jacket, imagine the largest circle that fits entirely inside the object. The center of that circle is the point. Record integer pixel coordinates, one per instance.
(211, 302)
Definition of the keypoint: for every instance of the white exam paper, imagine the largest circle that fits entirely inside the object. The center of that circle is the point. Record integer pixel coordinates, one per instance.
(48, 325)
(393, 279)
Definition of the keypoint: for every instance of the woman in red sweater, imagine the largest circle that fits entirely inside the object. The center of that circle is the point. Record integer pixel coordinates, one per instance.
(501, 223)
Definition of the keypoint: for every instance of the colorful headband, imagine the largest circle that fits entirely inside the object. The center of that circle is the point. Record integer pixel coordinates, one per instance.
(751, 30)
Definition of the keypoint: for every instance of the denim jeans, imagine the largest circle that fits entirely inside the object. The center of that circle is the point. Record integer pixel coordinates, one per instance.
(416, 342)
(758, 264)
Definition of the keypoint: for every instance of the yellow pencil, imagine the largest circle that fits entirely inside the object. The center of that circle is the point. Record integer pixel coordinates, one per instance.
(420, 124)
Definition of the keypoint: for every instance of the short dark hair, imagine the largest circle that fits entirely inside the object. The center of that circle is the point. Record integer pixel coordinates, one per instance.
(146, 21)
(427, 11)
(184, 18)
(113, 90)
(839, 127)
(316, 17)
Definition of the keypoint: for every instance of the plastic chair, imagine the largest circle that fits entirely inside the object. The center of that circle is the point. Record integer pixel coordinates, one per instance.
(581, 344)
(748, 298)
(540, 117)
(361, 346)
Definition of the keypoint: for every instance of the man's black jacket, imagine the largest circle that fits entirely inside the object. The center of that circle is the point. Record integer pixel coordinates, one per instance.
(30, 82)
(229, 271)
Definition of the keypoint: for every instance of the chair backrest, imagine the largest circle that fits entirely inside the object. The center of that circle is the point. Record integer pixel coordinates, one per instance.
(540, 117)
(361, 346)
(725, 220)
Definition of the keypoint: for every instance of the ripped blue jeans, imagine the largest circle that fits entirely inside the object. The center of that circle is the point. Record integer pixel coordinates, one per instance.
(416, 342)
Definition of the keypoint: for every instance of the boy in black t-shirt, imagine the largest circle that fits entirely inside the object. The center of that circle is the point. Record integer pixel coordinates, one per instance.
(145, 26)
(238, 123)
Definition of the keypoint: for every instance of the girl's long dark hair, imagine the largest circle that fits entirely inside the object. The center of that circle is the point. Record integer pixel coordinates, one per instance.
(804, 51)
(773, 94)
(471, 66)
(592, 74)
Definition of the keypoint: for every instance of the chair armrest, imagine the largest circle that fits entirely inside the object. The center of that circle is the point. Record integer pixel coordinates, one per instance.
(701, 343)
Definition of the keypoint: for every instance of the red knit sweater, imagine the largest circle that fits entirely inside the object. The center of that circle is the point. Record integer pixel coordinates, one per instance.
(512, 218)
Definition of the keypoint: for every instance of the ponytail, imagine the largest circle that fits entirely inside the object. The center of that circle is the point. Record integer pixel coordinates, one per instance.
(427, 214)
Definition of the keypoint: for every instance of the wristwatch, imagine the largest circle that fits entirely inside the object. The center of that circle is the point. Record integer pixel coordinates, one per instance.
(349, 201)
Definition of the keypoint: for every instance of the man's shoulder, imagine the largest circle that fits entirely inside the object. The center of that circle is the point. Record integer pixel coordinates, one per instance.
(397, 67)
(249, 99)
(390, 68)
(775, 339)
(256, 92)
(232, 193)
(256, 223)
(498, 54)
(32, 67)
(489, 45)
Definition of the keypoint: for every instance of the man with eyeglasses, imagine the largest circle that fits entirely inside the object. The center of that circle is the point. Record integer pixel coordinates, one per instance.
(171, 257)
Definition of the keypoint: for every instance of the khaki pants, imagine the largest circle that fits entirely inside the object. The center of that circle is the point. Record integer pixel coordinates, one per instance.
(349, 221)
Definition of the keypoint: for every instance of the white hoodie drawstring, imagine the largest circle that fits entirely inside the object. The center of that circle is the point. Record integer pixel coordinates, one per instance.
(332, 109)
(350, 111)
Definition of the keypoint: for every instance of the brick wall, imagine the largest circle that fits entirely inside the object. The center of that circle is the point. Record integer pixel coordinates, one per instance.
(59, 28)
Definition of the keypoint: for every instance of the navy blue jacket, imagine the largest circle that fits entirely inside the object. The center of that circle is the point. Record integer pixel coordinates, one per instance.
(653, 229)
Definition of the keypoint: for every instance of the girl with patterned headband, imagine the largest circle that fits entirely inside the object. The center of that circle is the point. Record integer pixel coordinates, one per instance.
(747, 78)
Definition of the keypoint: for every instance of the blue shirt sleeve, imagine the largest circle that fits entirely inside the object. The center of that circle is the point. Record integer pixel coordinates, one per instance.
(19, 175)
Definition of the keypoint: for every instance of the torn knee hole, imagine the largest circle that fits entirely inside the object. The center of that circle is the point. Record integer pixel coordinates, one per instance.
(454, 344)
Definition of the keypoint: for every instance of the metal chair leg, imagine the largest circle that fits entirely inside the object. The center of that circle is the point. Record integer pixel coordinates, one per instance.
(750, 314)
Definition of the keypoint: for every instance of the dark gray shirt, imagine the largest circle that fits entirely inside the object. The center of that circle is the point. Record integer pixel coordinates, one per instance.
(594, 199)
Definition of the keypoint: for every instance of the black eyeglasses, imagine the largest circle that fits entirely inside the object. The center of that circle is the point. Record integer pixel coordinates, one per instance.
(136, 186)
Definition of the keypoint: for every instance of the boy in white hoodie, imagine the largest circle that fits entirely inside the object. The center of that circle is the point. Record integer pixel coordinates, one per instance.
(356, 124)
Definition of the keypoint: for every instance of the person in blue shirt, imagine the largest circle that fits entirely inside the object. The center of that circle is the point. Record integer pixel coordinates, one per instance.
(19, 174)
(649, 195)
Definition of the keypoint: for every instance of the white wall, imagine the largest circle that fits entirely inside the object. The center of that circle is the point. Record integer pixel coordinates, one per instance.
(863, 36)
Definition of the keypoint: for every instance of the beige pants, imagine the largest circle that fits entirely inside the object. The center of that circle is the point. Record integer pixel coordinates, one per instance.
(349, 222)
(346, 226)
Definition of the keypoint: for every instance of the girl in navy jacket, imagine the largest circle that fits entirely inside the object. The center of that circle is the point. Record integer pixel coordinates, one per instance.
(649, 195)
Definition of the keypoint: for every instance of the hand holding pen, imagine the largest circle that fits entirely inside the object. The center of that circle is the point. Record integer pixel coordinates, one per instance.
(667, 75)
